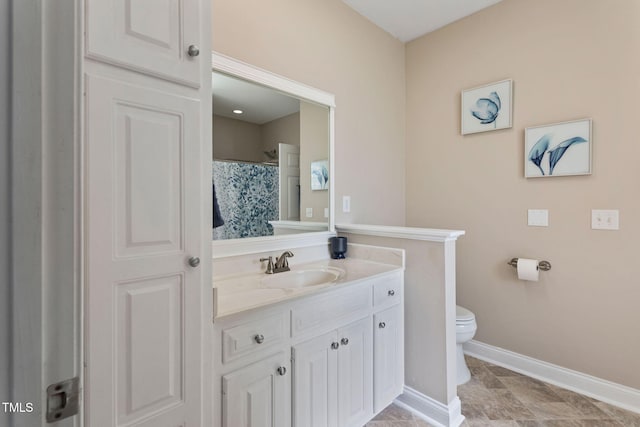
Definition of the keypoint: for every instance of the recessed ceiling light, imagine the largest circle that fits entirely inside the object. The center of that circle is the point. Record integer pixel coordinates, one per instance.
(238, 111)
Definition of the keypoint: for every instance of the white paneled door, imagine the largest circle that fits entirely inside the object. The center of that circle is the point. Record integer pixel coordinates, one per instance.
(157, 37)
(143, 298)
(289, 177)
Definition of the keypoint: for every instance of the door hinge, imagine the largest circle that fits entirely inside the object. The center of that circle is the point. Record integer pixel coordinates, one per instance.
(63, 399)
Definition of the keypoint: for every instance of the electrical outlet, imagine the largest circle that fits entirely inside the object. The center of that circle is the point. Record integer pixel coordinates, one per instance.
(605, 219)
(346, 204)
(309, 212)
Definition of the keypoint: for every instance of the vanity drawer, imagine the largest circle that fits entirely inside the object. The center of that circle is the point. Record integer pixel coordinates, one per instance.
(387, 290)
(256, 335)
(325, 310)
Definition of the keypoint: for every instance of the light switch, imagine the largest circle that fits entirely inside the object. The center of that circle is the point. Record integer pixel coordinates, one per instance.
(538, 217)
(605, 219)
(309, 212)
(346, 204)
(326, 212)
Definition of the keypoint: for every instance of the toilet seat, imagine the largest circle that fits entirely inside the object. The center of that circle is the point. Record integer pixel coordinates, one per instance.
(463, 315)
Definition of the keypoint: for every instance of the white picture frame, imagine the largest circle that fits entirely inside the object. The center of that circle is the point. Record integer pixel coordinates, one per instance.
(558, 149)
(487, 108)
(320, 175)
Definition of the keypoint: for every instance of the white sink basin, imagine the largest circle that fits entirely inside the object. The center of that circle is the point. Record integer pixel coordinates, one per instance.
(303, 278)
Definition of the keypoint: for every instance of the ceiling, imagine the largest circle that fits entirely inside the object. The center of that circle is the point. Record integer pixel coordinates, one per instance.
(259, 104)
(409, 19)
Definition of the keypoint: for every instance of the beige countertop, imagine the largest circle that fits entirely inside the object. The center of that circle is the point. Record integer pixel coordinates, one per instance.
(243, 292)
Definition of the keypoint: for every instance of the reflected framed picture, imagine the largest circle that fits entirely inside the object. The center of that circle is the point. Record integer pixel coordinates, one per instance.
(558, 149)
(320, 175)
(486, 108)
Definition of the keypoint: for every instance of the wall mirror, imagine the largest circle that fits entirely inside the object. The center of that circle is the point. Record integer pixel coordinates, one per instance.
(272, 165)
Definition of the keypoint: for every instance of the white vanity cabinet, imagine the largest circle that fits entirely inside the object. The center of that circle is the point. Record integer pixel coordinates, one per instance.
(252, 367)
(388, 341)
(388, 352)
(333, 377)
(320, 360)
(259, 395)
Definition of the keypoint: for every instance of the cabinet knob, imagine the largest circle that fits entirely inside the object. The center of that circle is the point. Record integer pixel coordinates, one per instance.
(193, 51)
(391, 293)
(194, 261)
(282, 370)
(344, 341)
(382, 325)
(259, 338)
(335, 345)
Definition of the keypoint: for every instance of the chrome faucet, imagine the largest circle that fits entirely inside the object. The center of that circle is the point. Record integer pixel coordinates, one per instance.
(280, 265)
(281, 262)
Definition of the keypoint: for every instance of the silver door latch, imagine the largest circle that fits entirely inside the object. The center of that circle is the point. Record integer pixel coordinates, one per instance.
(63, 399)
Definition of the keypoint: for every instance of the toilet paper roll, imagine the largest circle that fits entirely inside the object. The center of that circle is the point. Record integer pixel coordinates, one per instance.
(528, 269)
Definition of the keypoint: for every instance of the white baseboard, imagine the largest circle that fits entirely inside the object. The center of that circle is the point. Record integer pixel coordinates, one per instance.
(431, 410)
(606, 391)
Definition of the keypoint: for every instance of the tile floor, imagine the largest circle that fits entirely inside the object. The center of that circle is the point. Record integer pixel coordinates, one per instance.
(498, 397)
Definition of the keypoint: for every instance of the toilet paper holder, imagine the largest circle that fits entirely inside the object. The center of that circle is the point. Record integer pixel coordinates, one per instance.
(542, 265)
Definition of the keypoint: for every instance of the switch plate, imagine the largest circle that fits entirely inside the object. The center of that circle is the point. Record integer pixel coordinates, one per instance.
(326, 212)
(346, 204)
(538, 217)
(602, 219)
(309, 212)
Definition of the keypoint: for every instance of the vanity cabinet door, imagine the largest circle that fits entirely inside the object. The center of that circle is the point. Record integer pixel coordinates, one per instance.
(157, 37)
(388, 356)
(258, 395)
(315, 380)
(355, 373)
(333, 378)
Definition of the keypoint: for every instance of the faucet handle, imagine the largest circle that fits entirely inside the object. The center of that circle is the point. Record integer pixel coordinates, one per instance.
(269, 264)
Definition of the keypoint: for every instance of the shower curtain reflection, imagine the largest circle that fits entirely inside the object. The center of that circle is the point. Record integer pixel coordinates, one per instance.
(247, 195)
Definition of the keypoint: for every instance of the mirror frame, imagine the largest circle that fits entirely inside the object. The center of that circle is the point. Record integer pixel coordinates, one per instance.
(232, 67)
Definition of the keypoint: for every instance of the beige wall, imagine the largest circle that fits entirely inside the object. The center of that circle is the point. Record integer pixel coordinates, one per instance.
(240, 140)
(569, 59)
(327, 45)
(236, 140)
(285, 129)
(314, 134)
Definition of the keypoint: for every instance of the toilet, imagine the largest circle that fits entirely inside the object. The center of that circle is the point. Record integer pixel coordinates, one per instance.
(465, 330)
